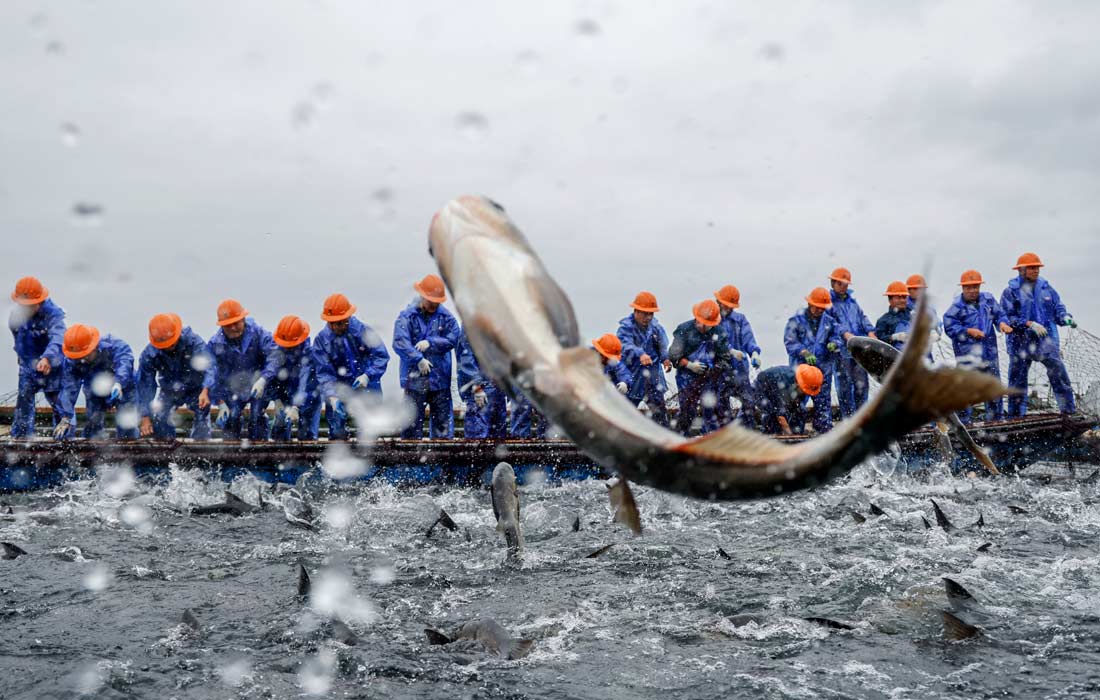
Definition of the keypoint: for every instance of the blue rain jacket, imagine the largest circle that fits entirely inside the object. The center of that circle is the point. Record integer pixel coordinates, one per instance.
(36, 337)
(174, 371)
(113, 356)
(1021, 303)
(469, 370)
(804, 333)
(893, 322)
(777, 394)
(441, 330)
(295, 377)
(849, 318)
(239, 362)
(710, 347)
(740, 337)
(339, 359)
(985, 315)
(617, 372)
(637, 341)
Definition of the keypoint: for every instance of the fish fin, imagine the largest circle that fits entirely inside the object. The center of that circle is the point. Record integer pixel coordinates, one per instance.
(445, 520)
(963, 435)
(860, 519)
(342, 633)
(436, 637)
(876, 511)
(12, 551)
(9, 511)
(558, 308)
(624, 506)
(831, 624)
(188, 618)
(1017, 510)
(468, 537)
(941, 518)
(304, 584)
(724, 554)
(985, 547)
(1090, 479)
(599, 551)
(981, 520)
(260, 497)
(956, 630)
(577, 524)
(955, 590)
(521, 648)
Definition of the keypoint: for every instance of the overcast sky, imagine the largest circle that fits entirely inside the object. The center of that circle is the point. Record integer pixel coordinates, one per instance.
(276, 152)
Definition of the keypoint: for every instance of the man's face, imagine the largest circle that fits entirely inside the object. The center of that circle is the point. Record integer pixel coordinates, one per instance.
(724, 310)
(234, 330)
(1031, 273)
(90, 358)
(642, 318)
(840, 287)
(971, 292)
(338, 327)
(898, 302)
(815, 311)
(428, 307)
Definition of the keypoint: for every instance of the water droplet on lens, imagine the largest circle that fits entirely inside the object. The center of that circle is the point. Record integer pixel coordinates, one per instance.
(773, 51)
(587, 27)
(87, 214)
(98, 579)
(472, 126)
(70, 134)
(528, 62)
(301, 115)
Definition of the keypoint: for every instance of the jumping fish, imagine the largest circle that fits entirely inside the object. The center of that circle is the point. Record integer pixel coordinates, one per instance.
(877, 358)
(445, 520)
(488, 634)
(505, 498)
(233, 505)
(524, 334)
(297, 510)
(624, 508)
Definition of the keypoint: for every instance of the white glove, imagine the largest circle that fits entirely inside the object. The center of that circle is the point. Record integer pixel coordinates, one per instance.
(643, 407)
(423, 345)
(360, 382)
(116, 392)
(696, 367)
(223, 407)
(899, 337)
(258, 387)
(755, 359)
(622, 387)
(61, 429)
(1037, 328)
(424, 366)
(291, 413)
(738, 355)
(481, 399)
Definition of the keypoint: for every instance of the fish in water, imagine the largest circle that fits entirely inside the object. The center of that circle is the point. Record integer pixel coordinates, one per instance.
(1017, 510)
(624, 508)
(70, 553)
(445, 520)
(877, 358)
(985, 547)
(598, 552)
(876, 511)
(859, 518)
(524, 334)
(297, 510)
(191, 622)
(724, 554)
(577, 524)
(941, 518)
(956, 630)
(10, 551)
(233, 505)
(488, 634)
(304, 584)
(957, 595)
(505, 496)
(927, 525)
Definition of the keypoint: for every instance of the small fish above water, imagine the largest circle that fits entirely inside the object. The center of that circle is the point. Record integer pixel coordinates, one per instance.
(505, 497)
(489, 635)
(297, 510)
(443, 520)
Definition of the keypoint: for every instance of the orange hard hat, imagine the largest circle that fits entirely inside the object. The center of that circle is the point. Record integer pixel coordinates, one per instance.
(645, 301)
(896, 289)
(337, 308)
(291, 332)
(916, 282)
(841, 274)
(164, 330)
(431, 288)
(971, 277)
(809, 379)
(728, 296)
(609, 346)
(706, 312)
(80, 341)
(230, 311)
(1027, 260)
(820, 298)
(29, 291)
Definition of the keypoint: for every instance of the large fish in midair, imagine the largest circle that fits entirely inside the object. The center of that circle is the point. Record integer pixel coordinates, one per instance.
(524, 334)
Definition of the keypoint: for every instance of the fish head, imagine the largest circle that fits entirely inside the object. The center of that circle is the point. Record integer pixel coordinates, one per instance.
(465, 217)
(873, 355)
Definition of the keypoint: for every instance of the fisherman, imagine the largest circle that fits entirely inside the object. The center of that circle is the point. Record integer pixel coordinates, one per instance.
(244, 355)
(294, 388)
(645, 353)
(972, 323)
(424, 336)
(893, 326)
(812, 337)
(350, 359)
(701, 353)
(486, 404)
(916, 286)
(743, 351)
(103, 368)
(39, 329)
(1034, 310)
(610, 350)
(781, 396)
(176, 361)
(527, 421)
(851, 379)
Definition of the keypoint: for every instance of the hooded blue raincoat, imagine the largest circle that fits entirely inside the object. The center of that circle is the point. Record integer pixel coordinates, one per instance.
(340, 359)
(168, 379)
(647, 382)
(852, 382)
(985, 315)
(803, 332)
(239, 363)
(36, 337)
(1022, 302)
(112, 358)
(490, 420)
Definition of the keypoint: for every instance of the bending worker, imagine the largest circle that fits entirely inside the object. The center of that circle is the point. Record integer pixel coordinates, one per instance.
(424, 336)
(103, 368)
(244, 358)
(350, 359)
(812, 337)
(610, 350)
(38, 326)
(645, 353)
(972, 323)
(294, 389)
(852, 381)
(1034, 310)
(781, 397)
(893, 326)
(743, 352)
(174, 370)
(486, 404)
(701, 354)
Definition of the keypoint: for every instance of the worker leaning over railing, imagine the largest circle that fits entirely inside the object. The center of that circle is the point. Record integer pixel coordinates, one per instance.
(244, 355)
(175, 370)
(103, 368)
(294, 389)
(38, 326)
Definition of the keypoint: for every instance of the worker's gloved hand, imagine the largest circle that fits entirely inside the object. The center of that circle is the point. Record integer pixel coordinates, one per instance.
(338, 408)
(976, 334)
(258, 388)
(481, 399)
(1037, 328)
(424, 366)
(1005, 328)
(622, 387)
(116, 393)
(291, 414)
(810, 359)
(643, 407)
(738, 355)
(755, 360)
(423, 346)
(900, 337)
(223, 415)
(360, 382)
(696, 367)
(831, 347)
(1068, 321)
(61, 429)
